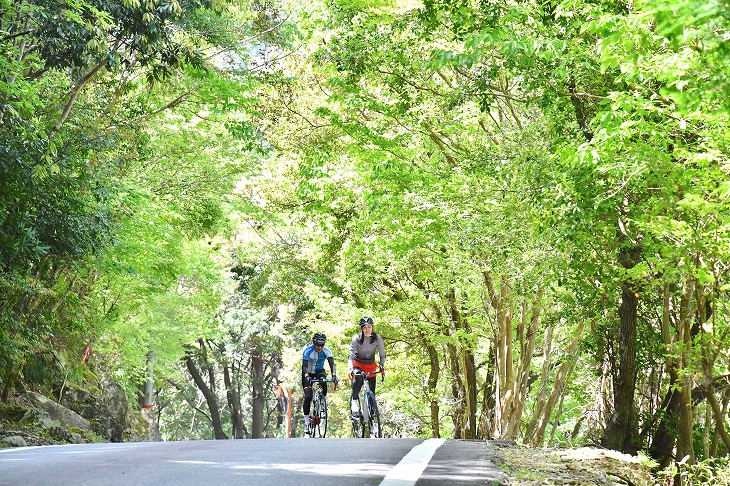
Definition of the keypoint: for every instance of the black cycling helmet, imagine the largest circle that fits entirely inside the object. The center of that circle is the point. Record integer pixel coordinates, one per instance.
(364, 321)
(319, 338)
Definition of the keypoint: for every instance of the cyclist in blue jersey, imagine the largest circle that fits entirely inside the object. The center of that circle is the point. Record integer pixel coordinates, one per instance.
(313, 359)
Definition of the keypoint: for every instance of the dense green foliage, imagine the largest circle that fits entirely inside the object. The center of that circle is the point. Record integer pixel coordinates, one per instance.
(530, 199)
(113, 174)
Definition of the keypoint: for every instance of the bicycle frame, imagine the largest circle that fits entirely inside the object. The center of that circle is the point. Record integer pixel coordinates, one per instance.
(368, 406)
(318, 419)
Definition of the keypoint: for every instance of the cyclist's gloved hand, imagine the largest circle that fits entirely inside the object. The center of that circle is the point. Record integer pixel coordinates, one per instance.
(334, 379)
(307, 379)
(350, 375)
(382, 369)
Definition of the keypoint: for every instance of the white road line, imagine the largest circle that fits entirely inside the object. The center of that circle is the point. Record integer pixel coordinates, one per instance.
(409, 469)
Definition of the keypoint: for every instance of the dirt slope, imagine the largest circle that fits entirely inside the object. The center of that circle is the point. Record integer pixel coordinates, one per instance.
(582, 466)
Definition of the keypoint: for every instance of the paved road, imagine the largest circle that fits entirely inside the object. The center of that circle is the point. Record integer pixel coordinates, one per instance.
(262, 462)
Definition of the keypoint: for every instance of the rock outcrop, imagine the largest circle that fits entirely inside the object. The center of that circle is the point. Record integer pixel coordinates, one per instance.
(104, 405)
(59, 413)
(97, 411)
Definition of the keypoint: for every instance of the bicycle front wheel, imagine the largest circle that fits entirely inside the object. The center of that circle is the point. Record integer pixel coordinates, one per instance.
(321, 425)
(374, 419)
(313, 418)
(364, 409)
(358, 424)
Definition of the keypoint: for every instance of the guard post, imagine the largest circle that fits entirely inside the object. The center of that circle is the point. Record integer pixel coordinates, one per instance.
(280, 392)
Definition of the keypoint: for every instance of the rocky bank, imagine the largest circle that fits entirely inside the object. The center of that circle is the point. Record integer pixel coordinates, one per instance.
(98, 413)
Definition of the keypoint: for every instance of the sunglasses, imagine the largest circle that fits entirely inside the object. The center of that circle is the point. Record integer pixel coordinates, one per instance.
(319, 345)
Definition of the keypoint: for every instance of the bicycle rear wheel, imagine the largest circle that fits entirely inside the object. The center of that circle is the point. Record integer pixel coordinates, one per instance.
(374, 418)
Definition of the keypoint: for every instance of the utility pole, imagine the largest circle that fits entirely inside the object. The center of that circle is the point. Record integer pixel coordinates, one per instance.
(148, 385)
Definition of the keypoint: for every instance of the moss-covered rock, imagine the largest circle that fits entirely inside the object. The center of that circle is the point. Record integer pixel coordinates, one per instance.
(103, 403)
(12, 413)
(58, 412)
(13, 441)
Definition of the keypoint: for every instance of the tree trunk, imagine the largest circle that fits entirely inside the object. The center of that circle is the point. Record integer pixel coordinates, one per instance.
(433, 378)
(723, 412)
(487, 404)
(709, 356)
(621, 428)
(257, 392)
(684, 437)
(541, 399)
(457, 391)
(210, 398)
(561, 378)
(527, 336)
(718, 416)
(504, 374)
(470, 426)
(662, 444)
(466, 358)
(457, 386)
(234, 402)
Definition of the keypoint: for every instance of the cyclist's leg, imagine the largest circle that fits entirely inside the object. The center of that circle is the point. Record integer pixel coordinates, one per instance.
(372, 381)
(356, 386)
(307, 405)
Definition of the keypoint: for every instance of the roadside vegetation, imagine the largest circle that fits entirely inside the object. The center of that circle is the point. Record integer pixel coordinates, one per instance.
(579, 466)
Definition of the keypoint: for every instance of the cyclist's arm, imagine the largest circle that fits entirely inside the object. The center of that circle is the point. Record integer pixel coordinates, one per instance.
(351, 354)
(331, 361)
(305, 367)
(381, 350)
(307, 364)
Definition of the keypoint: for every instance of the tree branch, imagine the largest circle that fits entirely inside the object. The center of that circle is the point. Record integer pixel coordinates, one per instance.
(75, 93)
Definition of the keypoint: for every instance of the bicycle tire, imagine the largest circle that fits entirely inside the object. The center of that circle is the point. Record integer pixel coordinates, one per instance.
(313, 418)
(322, 412)
(358, 424)
(355, 428)
(364, 410)
(374, 427)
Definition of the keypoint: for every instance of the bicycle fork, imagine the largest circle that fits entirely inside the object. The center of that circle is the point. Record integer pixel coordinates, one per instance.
(318, 409)
(366, 406)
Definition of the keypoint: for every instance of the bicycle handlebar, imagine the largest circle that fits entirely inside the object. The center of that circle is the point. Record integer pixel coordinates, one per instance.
(370, 374)
(320, 380)
(315, 379)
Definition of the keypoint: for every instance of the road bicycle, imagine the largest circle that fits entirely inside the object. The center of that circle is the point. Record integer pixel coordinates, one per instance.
(318, 414)
(368, 415)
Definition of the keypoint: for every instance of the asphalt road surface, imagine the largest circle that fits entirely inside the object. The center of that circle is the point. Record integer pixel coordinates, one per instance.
(260, 462)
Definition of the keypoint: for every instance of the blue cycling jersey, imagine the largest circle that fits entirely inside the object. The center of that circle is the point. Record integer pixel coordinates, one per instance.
(315, 361)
